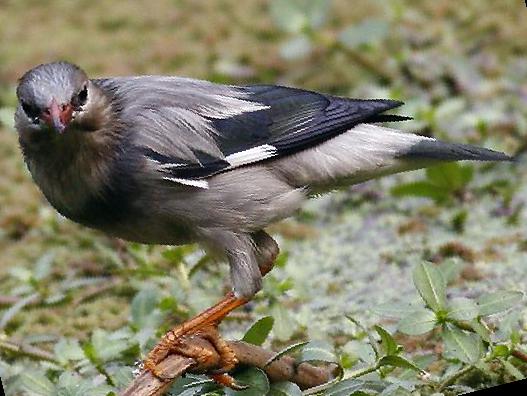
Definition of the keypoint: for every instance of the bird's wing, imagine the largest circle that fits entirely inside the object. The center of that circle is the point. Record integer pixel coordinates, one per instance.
(191, 129)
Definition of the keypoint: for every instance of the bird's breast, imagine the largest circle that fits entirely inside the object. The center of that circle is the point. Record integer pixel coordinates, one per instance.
(105, 195)
(78, 180)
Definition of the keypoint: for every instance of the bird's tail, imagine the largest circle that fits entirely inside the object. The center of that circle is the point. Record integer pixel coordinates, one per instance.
(368, 151)
(432, 149)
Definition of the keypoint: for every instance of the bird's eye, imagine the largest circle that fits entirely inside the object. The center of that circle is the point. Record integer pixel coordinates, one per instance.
(31, 111)
(80, 99)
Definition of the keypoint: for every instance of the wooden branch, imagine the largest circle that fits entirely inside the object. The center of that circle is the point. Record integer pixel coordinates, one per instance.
(284, 369)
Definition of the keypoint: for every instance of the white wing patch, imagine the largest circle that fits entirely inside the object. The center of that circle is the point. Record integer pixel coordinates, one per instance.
(251, 155)
(222, 107)
(163, 168)
(189, 182)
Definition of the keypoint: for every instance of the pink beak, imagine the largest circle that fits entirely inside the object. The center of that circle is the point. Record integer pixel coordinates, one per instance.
(58, 117)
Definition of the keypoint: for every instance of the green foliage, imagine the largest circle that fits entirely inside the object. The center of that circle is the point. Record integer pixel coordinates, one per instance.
(256, 381)
(259, 331)
(364, 34)
(492, 303)
(285, 389)
(317, 351)
(418, 322)
(431, 285)
(466, 347)
(443, 182)
(287, 350)
(464, 331)
(296, 16)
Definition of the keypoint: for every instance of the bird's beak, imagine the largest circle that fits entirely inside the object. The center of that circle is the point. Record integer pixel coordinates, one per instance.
(58, 116)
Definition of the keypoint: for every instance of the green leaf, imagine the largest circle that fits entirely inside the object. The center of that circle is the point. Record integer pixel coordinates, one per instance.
(450, 176)
(418, 322)
(178, 253)
(501, 301)
(371, 338)
(290, 349)
(281, 260)
(512, 370)
(144, 309)
(259, 331)
(420, 189)
(501, 351)
(107, 346)
(360, 350)
(451, 269)
(68, 350)
(387, 341)
(481, 329)
(37, 384)
(395, 310)
(191, 386)
(462, 308)
(255, 379)
(121, 375)
(295, 16)
(317, 351)
(399, 361)
(285, 388)
(10, 313)
(466, 347)
(345, 388)
(43, 266)
(72, 384)
(284, 325)
(295, 48)
(431, 285)
(6, 117)
(369, 32)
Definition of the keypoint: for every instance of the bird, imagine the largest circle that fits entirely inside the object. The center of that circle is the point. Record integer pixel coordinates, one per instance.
(171, 160)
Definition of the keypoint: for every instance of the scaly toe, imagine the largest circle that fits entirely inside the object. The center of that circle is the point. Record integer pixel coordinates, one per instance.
(227, 381)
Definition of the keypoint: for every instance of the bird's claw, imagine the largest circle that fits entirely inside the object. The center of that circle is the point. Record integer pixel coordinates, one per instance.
(181, 342)
(228, 381)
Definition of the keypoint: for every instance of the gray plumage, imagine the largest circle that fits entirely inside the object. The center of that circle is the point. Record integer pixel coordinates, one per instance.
(169, 160)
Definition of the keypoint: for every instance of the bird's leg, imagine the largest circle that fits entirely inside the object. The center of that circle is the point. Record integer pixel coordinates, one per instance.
(205, 325)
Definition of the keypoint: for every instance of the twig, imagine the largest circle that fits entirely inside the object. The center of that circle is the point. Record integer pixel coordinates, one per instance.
(283, 369)
(98, 290)
(90, 293)
(9, 300)
(368, 65)
(519, 355)
(27, 350)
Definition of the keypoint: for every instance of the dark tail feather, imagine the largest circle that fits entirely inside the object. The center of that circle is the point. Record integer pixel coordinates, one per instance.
(438, 150)
(388, 118)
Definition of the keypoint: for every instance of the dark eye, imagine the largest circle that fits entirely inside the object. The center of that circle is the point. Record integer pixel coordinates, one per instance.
(31, 111)
(81, 98)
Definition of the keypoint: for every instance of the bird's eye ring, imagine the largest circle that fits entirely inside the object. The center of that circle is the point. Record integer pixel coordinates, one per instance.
(80, 99)
(31, 111)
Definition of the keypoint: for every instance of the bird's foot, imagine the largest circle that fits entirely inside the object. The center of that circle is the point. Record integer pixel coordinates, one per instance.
(187, 340)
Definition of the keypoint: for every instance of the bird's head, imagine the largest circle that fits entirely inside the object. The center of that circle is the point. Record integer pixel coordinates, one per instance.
(53, 96)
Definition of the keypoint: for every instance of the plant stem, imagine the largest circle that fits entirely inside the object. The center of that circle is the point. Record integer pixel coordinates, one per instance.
(27, 350)
(364, 371)
(519, 355)
(458, 374)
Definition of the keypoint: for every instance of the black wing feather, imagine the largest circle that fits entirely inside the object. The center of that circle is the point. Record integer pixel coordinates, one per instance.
(294, 120)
